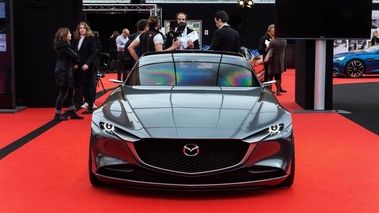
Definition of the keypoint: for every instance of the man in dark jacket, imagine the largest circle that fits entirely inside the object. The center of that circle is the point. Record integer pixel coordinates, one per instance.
(225, 38)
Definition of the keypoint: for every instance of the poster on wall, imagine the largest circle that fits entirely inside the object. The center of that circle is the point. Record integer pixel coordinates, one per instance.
(347, 45)
(3, 43)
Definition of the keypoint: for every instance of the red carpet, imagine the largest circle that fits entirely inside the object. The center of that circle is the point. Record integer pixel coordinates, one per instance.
(336, 170)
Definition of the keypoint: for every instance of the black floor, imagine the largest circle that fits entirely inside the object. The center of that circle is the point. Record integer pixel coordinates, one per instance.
(362, 101)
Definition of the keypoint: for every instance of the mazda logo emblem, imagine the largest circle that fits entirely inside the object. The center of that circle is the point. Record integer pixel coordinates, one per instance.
(191, 150)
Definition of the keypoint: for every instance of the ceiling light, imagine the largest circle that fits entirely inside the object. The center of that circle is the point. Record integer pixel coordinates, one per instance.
(247, 3)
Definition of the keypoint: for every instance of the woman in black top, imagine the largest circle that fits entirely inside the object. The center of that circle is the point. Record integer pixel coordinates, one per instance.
(85, 45)
(67, 62)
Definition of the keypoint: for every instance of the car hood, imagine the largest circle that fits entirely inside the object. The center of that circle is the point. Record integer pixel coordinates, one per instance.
(191, 112)
(349, 54)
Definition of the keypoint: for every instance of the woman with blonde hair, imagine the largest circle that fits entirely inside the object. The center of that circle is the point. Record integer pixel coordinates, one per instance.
(85, 45)
(67, 62)
(375, 38)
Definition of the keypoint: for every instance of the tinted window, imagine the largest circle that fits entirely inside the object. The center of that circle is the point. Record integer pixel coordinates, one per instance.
(231, 75)
(196, 74)
(194, 71)
(153, 75)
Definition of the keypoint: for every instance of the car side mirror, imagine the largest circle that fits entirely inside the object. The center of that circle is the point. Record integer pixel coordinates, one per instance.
(268, 83)
(115, 81)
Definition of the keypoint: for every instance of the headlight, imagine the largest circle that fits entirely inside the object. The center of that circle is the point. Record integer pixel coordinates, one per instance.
(340, 58)
(272, 132)
(115, 132)
(275, 129)
(107, 128)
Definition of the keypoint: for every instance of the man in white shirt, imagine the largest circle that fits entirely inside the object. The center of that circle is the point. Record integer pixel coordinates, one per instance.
(120, 42)
(151, 40)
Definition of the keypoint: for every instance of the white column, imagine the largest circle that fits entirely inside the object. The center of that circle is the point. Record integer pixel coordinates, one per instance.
(320, 65)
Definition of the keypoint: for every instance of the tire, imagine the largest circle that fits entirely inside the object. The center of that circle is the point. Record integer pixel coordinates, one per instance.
(355, 69)
(92, 177)
(288, 182)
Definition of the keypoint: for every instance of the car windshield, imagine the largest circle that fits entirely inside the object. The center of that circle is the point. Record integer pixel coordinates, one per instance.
(372, 49)
(192, 69)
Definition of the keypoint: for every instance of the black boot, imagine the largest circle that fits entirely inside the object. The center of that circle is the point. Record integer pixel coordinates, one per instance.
(282, 90)
(73, 114)
(59, 117)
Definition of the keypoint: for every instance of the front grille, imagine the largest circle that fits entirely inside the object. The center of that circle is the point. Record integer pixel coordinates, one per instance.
(168, 154)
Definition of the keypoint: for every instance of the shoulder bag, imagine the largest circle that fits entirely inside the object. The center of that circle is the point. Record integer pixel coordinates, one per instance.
(268, 57)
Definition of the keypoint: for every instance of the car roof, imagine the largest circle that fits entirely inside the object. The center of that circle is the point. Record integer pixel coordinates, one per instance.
(193, 55)
(216, 52)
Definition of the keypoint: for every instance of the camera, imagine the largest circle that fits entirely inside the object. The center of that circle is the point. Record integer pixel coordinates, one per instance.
(100, 75)
(176, 29)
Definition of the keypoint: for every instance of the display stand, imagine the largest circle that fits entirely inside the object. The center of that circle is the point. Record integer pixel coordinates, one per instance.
(7, 72)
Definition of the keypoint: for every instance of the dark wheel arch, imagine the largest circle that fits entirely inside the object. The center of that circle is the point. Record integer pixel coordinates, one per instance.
(92, 177)
(288, 182)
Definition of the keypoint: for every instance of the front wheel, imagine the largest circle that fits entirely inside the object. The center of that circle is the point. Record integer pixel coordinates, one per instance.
(355, 69)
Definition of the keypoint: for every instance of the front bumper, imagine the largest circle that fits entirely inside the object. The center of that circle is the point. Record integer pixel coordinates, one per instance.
(263, 164)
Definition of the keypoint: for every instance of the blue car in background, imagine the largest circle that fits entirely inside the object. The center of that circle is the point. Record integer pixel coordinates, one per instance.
(355, 64)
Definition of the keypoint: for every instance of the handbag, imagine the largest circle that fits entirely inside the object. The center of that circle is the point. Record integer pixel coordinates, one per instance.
(268, 57)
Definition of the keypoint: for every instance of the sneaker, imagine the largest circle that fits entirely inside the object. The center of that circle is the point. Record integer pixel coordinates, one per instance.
(85, 105)
(87, 112)
(94, 106)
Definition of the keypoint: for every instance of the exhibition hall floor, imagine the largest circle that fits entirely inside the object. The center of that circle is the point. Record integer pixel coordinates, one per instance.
(44, 165)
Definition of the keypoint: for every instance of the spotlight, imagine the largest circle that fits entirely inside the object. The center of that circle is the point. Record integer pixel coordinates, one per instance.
(247, 3)
(250, 3)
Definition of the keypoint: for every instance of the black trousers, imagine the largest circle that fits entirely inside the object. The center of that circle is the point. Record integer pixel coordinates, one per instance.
(65, 93)
(87, 87)
(120, 67)
(266, 72)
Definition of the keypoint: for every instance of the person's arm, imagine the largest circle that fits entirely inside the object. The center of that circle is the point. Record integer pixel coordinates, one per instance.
(158, 44)
(74, 57)
(268, 47)
(159, 47)
(93, 48)
(169, 39)
(175, 45)
(262, 46)
(216, 41)
(238, 46)
(132, 48)
(256, 61)
(120, 44)
(196, 45)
